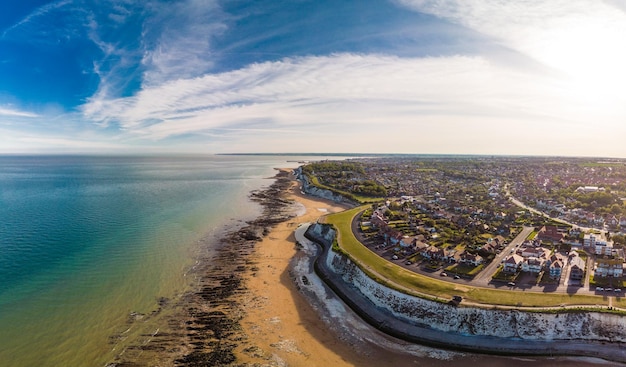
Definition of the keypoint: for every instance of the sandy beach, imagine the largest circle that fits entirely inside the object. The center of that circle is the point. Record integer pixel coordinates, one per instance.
(284, 328)
(252, 306)
(278, 320)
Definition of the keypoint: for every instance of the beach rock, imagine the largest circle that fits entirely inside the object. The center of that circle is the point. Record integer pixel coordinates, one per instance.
(205, 323)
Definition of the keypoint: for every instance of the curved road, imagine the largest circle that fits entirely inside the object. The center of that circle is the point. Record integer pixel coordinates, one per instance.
(389, 324)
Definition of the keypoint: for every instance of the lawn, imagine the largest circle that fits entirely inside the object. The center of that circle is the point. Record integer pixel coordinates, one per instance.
(397, 277)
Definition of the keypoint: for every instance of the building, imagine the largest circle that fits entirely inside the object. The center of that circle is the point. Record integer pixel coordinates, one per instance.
(577, 267)
(512, 264)
(470, 259)
(589, 240)
(533, 265)
(556, 269)
(538, 252)
(609, 268)
(550, 233)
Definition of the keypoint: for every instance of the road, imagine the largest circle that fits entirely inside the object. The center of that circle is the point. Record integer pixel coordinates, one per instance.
(385, 321)
(484, 277)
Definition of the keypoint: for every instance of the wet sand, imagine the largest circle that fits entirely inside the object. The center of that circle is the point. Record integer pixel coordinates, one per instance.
(279, 321)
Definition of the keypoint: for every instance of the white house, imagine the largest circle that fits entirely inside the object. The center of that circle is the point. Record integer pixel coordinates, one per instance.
(532, 265)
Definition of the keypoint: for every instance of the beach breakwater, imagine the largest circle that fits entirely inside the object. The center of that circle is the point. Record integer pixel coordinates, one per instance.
(507, 332)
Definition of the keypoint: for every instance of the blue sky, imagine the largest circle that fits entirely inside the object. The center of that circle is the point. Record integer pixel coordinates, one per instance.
(399, 76)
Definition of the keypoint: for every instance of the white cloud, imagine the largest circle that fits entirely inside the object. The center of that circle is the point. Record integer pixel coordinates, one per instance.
(581, 38)
(178, 39)
(7, 111)
(343, 102)
(41, 11)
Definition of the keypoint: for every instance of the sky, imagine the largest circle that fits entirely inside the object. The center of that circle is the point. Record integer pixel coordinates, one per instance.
(524, 77)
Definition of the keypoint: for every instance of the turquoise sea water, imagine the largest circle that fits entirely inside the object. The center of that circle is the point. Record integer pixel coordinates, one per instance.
(84, 241)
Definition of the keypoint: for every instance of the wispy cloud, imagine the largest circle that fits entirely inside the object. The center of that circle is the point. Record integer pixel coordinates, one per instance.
(353, 97)
(7, 111)
(483, 102)
(177, 39)
(41, 11)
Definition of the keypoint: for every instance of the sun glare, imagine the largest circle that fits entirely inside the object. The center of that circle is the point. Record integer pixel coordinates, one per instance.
(590, 55)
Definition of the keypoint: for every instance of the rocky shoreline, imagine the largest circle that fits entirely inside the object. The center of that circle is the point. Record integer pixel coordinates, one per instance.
(203, 327)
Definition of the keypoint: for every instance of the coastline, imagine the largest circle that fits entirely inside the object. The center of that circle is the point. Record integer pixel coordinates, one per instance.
(248, 310)
(285, 326)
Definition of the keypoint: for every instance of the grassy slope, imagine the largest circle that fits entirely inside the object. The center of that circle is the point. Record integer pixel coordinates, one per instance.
(407, 281)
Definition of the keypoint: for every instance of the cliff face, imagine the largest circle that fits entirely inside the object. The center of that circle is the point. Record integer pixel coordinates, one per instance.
(313, 190)
(478, 321)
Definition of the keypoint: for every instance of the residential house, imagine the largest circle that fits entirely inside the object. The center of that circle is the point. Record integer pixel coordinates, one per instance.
(589, 240)
(512, 263)
(420, 246)
(577, 267)
(470, 259)
(556, 268)
(603, 247)
(609, 268)
(533, 265)
(538, 252)
(550, 233)
(489, 248)
(435, 253)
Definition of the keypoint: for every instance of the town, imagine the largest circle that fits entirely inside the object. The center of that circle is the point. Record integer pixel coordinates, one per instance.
(540, 223)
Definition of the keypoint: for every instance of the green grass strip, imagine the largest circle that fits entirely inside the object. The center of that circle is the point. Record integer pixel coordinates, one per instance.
(404, 280)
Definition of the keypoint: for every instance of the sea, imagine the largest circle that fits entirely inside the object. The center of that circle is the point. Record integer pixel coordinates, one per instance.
(90, 243)
(87, 242)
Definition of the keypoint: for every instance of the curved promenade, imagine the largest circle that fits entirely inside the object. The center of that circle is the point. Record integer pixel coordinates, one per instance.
(423, 334)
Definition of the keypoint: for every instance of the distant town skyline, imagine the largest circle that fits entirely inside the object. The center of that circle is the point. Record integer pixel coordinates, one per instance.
(401, 76)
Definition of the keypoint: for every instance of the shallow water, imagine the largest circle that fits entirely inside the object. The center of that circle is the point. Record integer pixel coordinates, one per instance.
(85, 241)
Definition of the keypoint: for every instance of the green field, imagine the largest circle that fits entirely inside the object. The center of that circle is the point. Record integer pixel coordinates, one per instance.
(397, 277)
(358, 198)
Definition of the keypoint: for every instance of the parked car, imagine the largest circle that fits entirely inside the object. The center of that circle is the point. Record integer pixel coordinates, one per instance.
(599, 289)
(457, 277)
(511, 284)
(443, 274)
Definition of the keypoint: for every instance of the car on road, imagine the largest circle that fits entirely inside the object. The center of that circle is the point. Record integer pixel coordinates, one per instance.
(443, 274)
(511, 284)
(457, 277)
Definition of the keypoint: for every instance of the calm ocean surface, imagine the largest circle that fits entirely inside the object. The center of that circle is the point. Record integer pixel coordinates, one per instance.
(85, 241)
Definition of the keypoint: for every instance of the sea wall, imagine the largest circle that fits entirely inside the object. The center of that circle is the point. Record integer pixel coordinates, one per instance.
(466, 328)
(479, 321)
